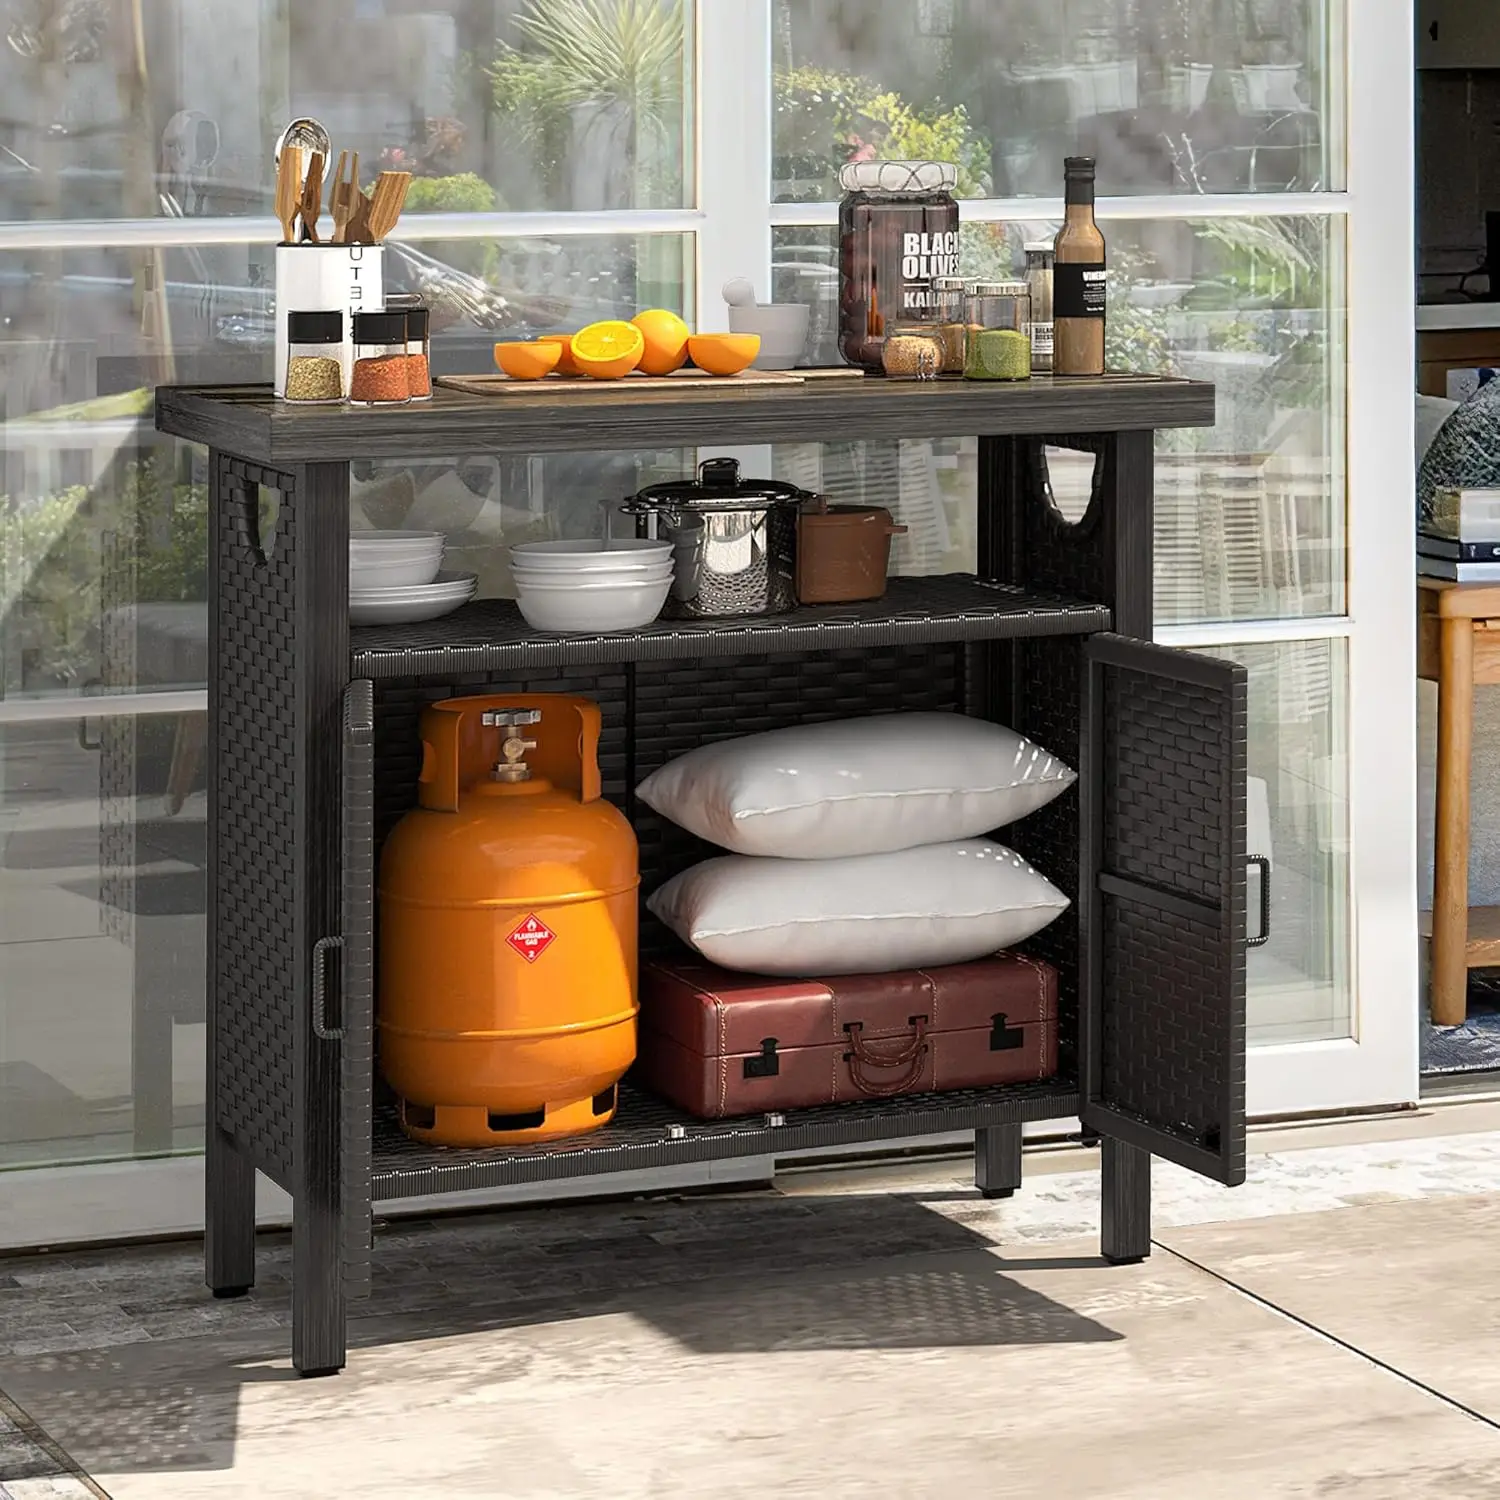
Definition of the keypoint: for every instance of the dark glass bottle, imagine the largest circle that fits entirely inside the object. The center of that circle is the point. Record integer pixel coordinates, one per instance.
(898, 230)
(1078, 278)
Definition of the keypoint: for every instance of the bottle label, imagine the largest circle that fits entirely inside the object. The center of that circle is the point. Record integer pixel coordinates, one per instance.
(1078, 290)
(923, 257)
(1041, 339)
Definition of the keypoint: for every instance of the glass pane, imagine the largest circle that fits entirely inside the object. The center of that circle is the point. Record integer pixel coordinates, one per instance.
(492, 104)
(1298, 804)
(1171, 96)
(1250, 512)
(102, 932)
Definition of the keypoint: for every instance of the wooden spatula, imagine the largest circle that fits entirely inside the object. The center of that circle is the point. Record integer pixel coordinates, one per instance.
(386, 204)
(312, 197)
(288, 190)
(341, 200)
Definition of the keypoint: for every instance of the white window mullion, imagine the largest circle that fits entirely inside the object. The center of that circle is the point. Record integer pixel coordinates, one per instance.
(734, 152)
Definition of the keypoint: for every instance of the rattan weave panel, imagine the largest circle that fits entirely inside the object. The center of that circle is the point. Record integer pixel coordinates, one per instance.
(1070, 558)
(357, 1016)
(254, 959)
(640, 1137)
(1164, 1051)
(491, 636)
(1049, 683)
(1165, 767)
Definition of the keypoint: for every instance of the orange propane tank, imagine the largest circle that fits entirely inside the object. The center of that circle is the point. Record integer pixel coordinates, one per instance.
(508, 928)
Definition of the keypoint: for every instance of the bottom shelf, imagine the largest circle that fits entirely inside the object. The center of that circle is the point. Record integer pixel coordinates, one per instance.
(647, 1132)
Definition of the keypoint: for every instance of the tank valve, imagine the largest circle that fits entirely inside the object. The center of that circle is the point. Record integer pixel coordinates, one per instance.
(513, 746)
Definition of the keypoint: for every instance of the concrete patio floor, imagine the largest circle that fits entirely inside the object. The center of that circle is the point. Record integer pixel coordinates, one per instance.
(1327, 1331)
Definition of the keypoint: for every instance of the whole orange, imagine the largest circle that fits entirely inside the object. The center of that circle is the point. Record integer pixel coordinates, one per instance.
(666, 338)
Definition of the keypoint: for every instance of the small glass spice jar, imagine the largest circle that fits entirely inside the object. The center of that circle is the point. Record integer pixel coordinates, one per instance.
(1039, 262)
(419, 353)
(951, 296)
(380, 376)
(314, 357)
(912, 351)
(999, 341)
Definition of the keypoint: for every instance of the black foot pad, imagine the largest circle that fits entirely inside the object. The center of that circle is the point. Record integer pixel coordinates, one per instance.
(229, 1291)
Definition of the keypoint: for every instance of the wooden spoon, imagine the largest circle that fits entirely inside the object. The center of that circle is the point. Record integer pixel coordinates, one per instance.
(340, 200)
(312, 197)
(288, 189)
(385, 205)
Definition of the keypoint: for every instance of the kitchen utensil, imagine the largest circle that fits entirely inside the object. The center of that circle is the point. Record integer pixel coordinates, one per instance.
(387, 196)
(508, 927)
(740, 293)
(359, 220)
(308, 136)
(312, 197)
(288, 192)
(844, 553)
(340, 199)
(412, 604)
(782, 327)
(736, 540)
(563, 610)
(325, 278)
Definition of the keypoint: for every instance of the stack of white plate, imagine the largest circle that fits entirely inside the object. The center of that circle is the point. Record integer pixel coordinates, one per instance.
(396, 578)
(572, 588)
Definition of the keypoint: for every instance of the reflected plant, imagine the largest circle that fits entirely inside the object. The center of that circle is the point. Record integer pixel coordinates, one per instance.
(622, 57)
(52, 554)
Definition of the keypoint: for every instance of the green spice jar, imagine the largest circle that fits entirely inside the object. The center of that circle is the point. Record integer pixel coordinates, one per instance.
(998, 346)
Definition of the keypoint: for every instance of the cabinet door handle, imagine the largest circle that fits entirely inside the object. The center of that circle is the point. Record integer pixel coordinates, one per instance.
(1264, 935)
(321, 949)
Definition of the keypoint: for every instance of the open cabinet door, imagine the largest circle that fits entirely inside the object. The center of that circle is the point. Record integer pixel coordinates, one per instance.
(358, 1059)
(1163, 904)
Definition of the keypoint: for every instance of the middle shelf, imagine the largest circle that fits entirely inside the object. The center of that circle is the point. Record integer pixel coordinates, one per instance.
(491, 636)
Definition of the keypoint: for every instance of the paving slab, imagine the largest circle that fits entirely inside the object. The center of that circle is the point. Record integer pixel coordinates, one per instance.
(966, 1370)
(1411, 1284)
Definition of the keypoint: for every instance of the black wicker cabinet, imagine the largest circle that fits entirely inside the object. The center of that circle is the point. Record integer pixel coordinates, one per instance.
(312, 745)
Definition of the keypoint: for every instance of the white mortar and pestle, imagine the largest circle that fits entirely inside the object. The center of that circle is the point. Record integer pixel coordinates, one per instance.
(782, 326)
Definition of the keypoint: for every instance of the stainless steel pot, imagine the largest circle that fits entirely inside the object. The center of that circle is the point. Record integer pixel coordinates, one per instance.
(735, 540)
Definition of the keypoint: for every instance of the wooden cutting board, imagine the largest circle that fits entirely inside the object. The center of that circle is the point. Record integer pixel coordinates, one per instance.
(633, 387)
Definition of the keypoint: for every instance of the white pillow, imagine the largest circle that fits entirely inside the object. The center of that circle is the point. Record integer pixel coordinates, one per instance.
(945, 904)
(856, 786)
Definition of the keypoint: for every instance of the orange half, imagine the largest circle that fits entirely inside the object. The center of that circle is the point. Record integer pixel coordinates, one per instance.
(527, 361)
(723, 353)
(565, 365)
(608, 350)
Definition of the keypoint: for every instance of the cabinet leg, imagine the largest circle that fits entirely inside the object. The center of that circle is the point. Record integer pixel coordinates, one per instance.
(1125, 1187)
(318, 1314)
(229, 1202)
(997, 1160)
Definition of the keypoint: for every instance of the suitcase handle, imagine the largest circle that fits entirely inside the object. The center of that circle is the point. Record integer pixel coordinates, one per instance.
(911, 1056)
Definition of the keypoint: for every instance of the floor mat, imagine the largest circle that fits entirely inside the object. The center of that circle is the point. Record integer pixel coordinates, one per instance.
(1473, 1047)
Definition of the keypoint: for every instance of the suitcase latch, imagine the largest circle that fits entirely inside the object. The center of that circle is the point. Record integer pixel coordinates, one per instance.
(767, 1065)
(1005, 1038)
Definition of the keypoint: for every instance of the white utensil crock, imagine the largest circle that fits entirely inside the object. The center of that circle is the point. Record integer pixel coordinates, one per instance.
(326, 278)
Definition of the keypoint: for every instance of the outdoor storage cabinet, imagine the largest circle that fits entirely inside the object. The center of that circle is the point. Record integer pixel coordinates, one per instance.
(313, 751)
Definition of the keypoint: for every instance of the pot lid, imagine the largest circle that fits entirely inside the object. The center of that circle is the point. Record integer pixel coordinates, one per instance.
(719, 487)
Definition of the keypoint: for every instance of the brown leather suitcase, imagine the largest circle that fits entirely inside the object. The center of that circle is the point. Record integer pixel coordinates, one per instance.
(720, 1044)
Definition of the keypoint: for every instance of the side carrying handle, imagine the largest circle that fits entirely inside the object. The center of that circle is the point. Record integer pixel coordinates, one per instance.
(321, 949)
(910, 1056)
(1264, 935)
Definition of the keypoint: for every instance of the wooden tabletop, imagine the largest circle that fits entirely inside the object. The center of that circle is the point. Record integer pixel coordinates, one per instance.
(249, 422)
(1460, 601)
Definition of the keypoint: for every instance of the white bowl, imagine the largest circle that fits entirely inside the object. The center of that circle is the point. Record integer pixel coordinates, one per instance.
(590, 556)
(407, 541)
(394, 573)
(782, 327)
(409, 606)
(614, 576)
(588, 610)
